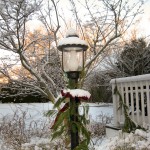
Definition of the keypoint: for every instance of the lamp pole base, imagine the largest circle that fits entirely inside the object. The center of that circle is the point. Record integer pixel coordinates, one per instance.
(74, 119)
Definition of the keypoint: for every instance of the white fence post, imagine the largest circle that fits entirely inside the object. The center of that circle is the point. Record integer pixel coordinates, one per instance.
(115, 106)
(148, 100)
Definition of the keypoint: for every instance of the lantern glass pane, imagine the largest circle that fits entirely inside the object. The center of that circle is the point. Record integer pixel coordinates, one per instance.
(72, 59)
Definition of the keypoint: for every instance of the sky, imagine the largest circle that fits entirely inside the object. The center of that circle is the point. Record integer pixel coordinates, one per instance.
(143, 28)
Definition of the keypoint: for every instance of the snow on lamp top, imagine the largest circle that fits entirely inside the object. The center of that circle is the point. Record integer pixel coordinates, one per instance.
(71, 32)
(72, 39)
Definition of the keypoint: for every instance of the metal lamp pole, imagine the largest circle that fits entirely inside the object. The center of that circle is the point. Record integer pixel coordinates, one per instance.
(74, 102)
(73, 48)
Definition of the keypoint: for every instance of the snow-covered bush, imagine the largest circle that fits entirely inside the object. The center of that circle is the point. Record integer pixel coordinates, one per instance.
(16, 130)
(98, 128)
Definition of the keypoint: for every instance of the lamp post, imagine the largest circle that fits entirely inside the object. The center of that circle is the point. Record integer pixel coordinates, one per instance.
(73, 48)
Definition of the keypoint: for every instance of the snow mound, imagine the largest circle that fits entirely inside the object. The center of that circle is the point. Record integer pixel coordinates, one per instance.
(138, 140)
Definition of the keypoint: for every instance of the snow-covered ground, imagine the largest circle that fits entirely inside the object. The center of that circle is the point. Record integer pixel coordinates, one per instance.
(36, 110)
(138, 140)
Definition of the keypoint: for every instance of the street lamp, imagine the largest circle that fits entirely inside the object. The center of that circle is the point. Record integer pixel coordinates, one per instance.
(73, 48)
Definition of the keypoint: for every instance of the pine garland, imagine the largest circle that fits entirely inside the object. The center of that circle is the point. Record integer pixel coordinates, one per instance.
(63, 124)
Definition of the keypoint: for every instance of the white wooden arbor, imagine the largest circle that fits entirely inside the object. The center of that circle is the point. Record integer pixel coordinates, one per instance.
(135, 92)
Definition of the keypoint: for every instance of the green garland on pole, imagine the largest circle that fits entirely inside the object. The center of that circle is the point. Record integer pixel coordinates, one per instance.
(63, 124)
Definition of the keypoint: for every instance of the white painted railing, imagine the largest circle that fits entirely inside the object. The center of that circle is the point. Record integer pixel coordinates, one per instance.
(135, 92)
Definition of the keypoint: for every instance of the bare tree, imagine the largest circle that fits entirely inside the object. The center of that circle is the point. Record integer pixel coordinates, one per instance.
(107, 21)
(31, 50)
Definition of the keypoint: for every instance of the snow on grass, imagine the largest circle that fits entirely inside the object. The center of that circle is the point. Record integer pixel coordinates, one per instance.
(36, 110)
(138, 140)
(130, 141)
(34, 113)
(36, 143)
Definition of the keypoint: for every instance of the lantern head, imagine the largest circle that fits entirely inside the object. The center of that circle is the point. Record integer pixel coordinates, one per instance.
(72, 48)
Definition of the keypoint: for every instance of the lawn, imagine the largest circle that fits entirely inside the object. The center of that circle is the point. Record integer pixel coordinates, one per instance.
(24, 125)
